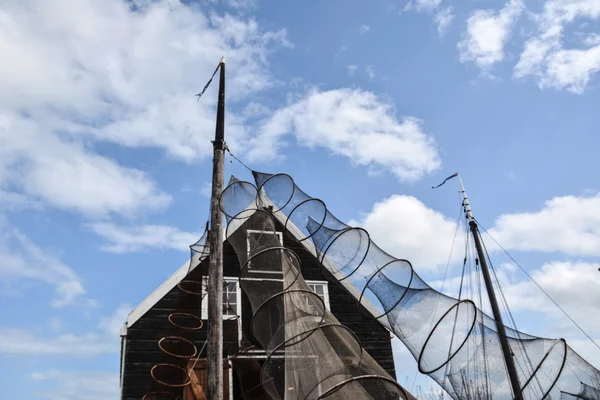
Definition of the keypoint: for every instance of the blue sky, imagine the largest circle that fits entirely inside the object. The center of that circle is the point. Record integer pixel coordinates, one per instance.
(105, 152)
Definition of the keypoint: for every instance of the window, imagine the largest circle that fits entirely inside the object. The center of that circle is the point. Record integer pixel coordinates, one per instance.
(253, 237)
(231, 298)
(321, 289)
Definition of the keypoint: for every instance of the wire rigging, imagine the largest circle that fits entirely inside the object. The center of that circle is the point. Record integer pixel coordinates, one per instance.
(541, 288)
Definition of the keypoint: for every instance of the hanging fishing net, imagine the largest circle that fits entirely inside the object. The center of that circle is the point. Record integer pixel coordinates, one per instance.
(309, 354)
(312, 356)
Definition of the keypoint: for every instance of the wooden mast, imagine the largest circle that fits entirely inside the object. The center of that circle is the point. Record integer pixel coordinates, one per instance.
(506, 351)
(215, 263)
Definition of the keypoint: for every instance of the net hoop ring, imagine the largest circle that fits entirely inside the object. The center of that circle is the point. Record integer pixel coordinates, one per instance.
(283, 293)
(182, 283)
(285, 226)
(177, 338)
(539, 366)
(412, 274)
(185, 328)
(247, 263)
(261, 187)
(173, 366)
(360, 378)
(173, 396)
(232, 184)
(308, 333)
(345, 374)
(340, 234)
(455, 305)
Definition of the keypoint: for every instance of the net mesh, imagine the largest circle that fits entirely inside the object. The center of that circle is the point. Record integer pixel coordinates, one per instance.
(309, 354)
(453, 341)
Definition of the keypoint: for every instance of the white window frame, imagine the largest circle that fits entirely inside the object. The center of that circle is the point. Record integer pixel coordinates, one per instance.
(238, 297)
(250, 231)
(325, 291)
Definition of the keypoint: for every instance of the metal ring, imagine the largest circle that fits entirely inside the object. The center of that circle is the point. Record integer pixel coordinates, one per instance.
(308, 333)
(421, 370)
(363, 377)
(342, 232)
(301, 203)
(245, 266)
(180, 339)
(564, 342)
(225, 190)
(291, 194)
(166, 365)
(187, 328)
(283, 293)
(412, 274)
(179, 285)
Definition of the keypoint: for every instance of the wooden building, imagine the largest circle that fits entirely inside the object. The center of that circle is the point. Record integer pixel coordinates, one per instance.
(149, 322)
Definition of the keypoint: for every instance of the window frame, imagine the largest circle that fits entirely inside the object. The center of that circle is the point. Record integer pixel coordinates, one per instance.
(251, 231)
(325, 286)
(238, 298)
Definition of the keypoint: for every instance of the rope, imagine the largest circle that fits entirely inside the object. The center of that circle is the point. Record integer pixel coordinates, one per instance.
(237, 159)
(540, 287)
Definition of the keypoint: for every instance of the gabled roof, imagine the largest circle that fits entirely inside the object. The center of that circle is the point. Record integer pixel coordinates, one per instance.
(197, 258)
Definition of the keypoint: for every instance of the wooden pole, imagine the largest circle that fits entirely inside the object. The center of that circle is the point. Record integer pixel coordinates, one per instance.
(215, 263)
(504, 345)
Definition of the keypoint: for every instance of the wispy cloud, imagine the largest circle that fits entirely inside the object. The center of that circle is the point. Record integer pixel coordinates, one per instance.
(547, 60)
(103, 340)
(364, 29)
(487, 33)
(443, 16)
(351, 69)
(127, 83)
(355, 124)
(78, 385)
(22, 261)
(370, 70)
(443, 19)
(126, 239)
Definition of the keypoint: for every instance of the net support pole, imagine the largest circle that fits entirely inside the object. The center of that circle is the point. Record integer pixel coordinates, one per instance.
(214, 288)
(506, 351)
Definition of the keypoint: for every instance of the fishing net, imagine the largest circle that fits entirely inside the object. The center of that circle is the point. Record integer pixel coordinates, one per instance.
(312, 355)
(309, 354)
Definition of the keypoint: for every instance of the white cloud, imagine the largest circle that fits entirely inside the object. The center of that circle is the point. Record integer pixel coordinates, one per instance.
(104, 340)
(406, 228)
(443, 19)
(355, 124)
(567, 224)
(545, 59)
(351, 69)
(67, 175)
(21, 261)
(423, 5)
(487, 34)
(363, 29)
(125, 239)
(117, 71)
(370, 70)
(79, 385)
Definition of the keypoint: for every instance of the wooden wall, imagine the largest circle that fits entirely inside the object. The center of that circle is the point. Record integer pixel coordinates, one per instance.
(142, 350)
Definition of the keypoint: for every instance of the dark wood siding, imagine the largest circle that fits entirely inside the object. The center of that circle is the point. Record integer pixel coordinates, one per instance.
(142, 350)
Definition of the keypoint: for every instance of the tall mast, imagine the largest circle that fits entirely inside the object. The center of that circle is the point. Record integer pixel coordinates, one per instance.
(506, 351)
(215, 261)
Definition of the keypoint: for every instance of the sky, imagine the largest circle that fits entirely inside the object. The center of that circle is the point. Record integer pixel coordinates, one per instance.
(105, 153)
